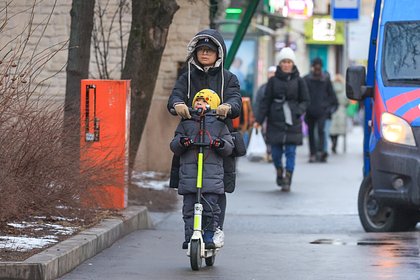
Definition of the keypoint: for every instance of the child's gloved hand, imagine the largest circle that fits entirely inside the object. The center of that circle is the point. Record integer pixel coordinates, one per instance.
(186, 141)
(222, 110)
(217, 143)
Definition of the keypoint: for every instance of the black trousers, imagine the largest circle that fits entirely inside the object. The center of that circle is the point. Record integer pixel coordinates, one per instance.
(316, 134)
(211, 212)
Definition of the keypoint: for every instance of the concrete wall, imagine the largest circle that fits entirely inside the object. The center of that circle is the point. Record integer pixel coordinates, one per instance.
(50, 32)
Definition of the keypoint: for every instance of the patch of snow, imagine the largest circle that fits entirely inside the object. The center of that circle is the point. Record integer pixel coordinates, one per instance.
(65, 219)
(23, 244)
(156, 185)
(146, 175)
(150, 179)
(21, 225)
(59, 229)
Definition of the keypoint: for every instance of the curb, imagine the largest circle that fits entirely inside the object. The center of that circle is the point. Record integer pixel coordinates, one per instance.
(68, 254)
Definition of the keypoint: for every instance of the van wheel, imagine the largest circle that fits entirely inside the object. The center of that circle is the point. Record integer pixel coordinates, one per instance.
(377, 217)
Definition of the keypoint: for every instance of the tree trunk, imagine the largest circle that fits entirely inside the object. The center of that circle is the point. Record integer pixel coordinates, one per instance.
(82, 12)
(149, 30)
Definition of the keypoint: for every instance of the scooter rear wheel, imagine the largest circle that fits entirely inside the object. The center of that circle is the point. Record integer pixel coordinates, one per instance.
(195, 254)
(210, 260)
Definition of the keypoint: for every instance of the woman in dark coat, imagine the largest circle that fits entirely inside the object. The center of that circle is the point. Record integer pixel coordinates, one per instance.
(199, 76)
(285, 101)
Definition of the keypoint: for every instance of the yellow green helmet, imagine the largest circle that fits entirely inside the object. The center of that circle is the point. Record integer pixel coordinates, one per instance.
(209, 96)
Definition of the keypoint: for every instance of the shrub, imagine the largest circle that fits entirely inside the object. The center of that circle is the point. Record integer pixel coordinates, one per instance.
(38, 175)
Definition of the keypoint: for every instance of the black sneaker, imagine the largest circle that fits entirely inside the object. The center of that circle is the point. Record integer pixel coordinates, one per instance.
(185, 245)
(210, 245)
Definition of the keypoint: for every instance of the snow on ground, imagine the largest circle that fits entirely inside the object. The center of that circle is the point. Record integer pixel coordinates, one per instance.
(151, 180)
(27, 243)
(24, 244)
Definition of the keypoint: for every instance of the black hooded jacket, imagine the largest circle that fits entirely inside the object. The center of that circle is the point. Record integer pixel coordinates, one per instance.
(284, 88)
(323, 99)
(196, 78)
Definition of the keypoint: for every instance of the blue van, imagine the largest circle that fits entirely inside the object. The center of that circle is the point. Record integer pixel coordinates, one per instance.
(389, 196)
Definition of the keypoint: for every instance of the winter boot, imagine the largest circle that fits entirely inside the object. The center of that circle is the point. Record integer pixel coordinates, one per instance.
(279, 177)
(287, 181)
(185, 243)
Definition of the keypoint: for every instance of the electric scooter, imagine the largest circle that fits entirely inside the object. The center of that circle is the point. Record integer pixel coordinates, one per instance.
(196, 247)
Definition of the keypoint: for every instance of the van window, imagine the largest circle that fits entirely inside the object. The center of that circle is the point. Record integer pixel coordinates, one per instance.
(401, 52)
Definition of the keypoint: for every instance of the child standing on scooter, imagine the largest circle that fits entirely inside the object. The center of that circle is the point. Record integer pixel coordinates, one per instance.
(205, 69)
(219, 144)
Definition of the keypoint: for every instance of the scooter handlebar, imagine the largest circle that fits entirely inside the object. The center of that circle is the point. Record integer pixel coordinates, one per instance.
(198, 112)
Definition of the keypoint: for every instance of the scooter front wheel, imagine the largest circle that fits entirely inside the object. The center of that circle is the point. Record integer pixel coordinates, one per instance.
(195, 254)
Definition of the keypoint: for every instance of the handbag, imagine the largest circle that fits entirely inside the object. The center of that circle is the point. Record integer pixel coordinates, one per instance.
(257, 148)
(239, 149)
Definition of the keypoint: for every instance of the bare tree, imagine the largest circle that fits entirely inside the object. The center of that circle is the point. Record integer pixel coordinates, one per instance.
(108, 24)
(149, 30)
(37, 169)
(77, 64)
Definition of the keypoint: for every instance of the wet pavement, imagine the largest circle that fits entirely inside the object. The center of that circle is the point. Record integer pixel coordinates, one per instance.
(313, 232)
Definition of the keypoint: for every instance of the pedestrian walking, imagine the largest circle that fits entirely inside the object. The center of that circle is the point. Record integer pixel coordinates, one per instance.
(204, 70)
(261, 90)
(236, 69)
(219, 144)
(257, 101)
(339, 118)
(323, 104)
(285, 101)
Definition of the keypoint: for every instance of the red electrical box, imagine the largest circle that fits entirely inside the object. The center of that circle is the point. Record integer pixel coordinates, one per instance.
(104, 130)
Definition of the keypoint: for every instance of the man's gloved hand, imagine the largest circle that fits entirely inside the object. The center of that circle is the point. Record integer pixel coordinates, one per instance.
(186, 141)
(182, 110)
(217, 143)
(222, 110)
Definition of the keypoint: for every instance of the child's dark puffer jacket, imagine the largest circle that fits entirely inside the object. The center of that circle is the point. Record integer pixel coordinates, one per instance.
(213, 172)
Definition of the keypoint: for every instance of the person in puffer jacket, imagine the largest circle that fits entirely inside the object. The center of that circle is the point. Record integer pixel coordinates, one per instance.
(285, 101)
(205, 70)
(220, 144)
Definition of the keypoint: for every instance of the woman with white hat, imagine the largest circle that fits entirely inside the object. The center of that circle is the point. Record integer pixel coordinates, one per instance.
(285, 101)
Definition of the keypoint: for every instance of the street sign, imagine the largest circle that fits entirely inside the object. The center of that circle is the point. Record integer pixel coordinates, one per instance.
(345, 10)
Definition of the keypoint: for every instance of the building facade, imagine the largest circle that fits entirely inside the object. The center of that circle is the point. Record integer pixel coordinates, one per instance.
(46, 37)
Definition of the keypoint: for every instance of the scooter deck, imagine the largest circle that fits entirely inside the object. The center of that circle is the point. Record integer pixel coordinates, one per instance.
(207, 252)
(210, 252)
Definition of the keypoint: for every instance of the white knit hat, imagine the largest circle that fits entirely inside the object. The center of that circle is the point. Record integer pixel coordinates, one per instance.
(287, 53)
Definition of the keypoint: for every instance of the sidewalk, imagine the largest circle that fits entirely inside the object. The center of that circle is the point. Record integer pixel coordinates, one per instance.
(65, 256)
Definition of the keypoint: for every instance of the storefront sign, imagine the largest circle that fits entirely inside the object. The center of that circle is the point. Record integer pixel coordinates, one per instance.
(345, 9)
(324, 31)
(300, 9)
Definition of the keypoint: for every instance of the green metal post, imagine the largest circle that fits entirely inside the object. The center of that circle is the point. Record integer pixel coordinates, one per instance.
(240, 32)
